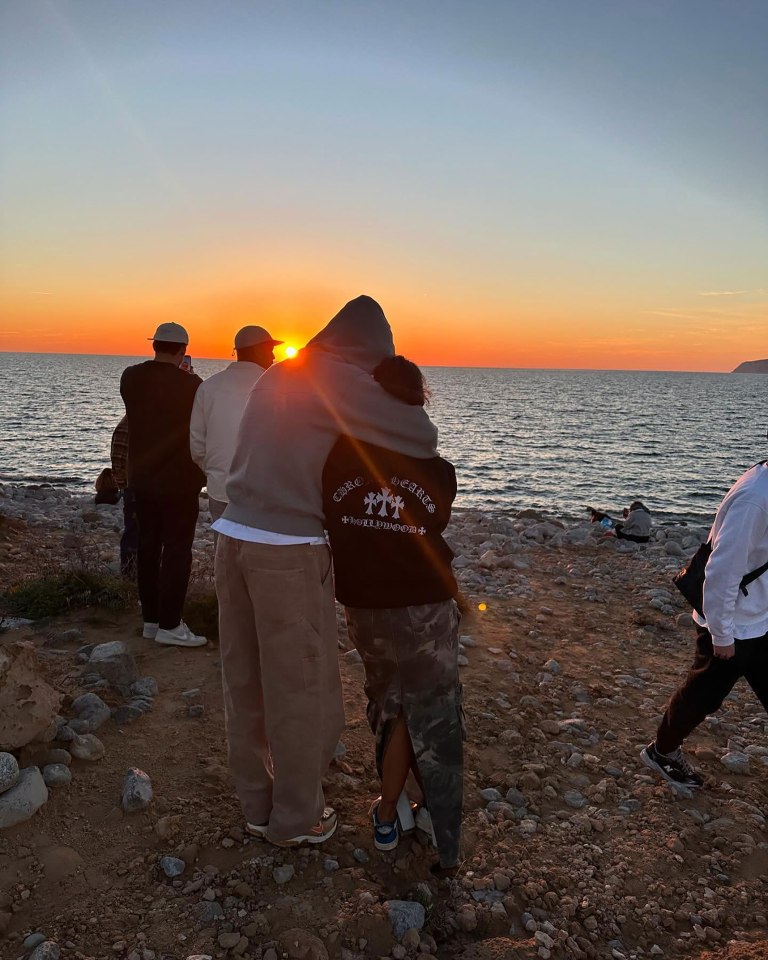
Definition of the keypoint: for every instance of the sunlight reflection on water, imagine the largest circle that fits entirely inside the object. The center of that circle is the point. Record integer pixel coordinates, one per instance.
(550, 439)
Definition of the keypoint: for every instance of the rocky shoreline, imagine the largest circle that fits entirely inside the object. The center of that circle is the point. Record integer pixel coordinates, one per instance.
(571, 644)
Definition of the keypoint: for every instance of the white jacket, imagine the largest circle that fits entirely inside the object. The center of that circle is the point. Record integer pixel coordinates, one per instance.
(739, 545)
(218, 408)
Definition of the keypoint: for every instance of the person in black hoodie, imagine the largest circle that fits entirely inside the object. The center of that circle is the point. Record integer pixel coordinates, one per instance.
(385, 514)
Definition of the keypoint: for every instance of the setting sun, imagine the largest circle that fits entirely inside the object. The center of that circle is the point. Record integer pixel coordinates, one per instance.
(290, 352)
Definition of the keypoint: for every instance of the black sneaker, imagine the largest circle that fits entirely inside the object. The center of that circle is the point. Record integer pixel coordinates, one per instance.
(672, 766)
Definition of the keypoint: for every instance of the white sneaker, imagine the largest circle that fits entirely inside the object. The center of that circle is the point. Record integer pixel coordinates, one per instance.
(258, 830)
(318, 834)
(180, 636)
(150, 630)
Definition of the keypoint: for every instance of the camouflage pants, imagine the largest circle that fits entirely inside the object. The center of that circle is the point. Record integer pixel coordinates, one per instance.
(410, 658)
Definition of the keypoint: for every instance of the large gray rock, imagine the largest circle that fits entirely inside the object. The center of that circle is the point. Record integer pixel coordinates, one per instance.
(9, 771)
(47, 950)
(24, 799)
(145, 687)
(79, 726)
(489, 794)
(65, 734)
(574, 799)
(736, 761)
(207, 912)
(90, 708)
(57, 775)
(126, 713)
(172, 867)
(515, 798)
(283, 874)
(114, 662)
(87, 747)
(33, 940)
(137, 791)
(405, 915)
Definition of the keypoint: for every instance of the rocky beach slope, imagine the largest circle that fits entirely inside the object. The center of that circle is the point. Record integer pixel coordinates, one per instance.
(120, 836)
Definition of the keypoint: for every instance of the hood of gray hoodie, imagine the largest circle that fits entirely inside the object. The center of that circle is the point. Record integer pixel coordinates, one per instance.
(359, 334)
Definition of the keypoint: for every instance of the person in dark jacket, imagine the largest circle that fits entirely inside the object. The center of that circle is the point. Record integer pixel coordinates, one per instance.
(165, 481)
(129, 541)
(385, 515)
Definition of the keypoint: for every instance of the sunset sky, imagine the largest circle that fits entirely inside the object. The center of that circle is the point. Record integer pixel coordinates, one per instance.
(525, 183)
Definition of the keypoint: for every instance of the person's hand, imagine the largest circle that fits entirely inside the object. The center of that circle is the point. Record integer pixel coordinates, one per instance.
(725, 653)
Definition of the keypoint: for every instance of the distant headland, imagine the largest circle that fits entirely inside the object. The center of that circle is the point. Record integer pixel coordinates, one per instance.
(752, 366)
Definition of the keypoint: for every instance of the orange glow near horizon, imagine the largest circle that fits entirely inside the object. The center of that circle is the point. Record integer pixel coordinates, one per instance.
(509, 200)
(538, 333)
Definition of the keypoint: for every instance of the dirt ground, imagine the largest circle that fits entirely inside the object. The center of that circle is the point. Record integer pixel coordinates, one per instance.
(86, 874)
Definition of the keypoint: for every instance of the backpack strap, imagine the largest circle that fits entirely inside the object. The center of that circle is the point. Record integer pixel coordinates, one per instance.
(749, 577)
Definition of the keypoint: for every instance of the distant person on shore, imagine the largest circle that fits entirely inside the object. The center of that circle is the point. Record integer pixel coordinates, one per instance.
(385, 514)
(129, 541)
(165, 482)
(635, 527)
(732, 635)
(277, 619)
(218, 408)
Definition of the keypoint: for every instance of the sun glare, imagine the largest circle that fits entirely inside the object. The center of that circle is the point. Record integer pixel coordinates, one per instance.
(290, 352)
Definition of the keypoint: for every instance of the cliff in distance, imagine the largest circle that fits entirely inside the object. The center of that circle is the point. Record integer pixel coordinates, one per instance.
(752, 366)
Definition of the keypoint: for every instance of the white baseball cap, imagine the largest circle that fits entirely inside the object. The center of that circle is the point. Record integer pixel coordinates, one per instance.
(171, 333)
(252, 336)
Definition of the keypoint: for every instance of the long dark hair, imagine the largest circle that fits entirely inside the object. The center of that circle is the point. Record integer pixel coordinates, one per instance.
(403, 379)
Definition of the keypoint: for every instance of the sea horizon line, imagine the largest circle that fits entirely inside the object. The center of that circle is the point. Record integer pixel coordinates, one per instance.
(426, 365)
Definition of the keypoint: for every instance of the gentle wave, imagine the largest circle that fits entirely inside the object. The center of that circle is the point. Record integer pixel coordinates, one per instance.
(553, 440)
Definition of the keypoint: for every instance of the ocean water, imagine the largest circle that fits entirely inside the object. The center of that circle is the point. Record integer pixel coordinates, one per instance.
(555, 440)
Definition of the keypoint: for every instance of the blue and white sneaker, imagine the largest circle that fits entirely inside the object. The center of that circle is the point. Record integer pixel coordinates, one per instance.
(386, 834)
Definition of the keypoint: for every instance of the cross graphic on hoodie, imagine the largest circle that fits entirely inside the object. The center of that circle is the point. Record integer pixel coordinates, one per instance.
(384, 498)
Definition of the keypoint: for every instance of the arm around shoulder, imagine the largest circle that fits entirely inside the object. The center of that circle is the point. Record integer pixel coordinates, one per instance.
(369, 413)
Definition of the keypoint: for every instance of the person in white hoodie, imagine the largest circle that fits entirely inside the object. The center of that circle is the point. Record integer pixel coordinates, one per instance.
(218, 409)
(732, 640)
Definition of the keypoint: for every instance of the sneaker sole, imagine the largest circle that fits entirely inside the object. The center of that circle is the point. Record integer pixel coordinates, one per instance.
(652, 765)
(256, 831)
(173, 642)
(386, 846)
(309, 838)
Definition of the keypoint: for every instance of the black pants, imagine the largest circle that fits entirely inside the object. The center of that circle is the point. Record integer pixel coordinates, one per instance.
(129, 542)
(619, 531)
(166, 532)
(708, 683)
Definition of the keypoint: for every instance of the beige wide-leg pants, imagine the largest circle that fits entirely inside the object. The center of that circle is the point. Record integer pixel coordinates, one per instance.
(283, 703)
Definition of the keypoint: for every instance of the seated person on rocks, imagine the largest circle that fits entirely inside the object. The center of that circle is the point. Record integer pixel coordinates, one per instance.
(636, 526)
(385, 515)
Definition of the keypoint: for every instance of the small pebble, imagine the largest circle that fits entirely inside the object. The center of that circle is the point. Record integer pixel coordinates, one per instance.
(172, 867)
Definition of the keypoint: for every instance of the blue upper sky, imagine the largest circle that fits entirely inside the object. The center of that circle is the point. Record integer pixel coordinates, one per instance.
(527, 152)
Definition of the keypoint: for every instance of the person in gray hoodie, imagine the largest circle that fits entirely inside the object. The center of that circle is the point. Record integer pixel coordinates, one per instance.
(283, 703)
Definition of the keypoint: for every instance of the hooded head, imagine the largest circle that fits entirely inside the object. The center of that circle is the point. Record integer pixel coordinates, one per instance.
(359, 334)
